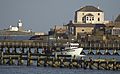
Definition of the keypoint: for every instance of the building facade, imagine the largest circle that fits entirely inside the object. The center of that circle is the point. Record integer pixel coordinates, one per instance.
(89, 14)
(115, 31)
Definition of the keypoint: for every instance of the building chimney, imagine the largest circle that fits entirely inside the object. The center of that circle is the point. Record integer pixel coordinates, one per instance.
(98, 7)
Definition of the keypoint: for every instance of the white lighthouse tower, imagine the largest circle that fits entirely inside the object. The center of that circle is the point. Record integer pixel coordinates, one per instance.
(20, 25)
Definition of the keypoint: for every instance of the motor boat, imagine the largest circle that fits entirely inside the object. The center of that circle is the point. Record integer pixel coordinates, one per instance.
(70, 49)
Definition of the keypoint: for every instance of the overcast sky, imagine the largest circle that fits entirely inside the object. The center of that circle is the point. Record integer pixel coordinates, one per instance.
(41, 15)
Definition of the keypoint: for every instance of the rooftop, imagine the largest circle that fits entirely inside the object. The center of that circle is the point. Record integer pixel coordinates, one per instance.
(118, 18)
(83, 25)
(89, 9)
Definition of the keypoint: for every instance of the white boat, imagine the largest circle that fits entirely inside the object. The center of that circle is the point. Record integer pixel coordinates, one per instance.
(70, 49)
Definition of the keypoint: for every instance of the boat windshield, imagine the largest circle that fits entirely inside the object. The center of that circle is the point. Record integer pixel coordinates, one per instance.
(69, 50)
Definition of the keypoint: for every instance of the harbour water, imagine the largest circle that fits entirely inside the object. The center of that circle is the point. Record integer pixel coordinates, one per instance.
(49, 70)
(15, 37)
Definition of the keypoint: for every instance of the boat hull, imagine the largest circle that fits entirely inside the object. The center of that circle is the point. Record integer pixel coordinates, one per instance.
(73, 52)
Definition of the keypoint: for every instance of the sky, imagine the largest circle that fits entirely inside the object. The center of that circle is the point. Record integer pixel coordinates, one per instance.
(41, 15)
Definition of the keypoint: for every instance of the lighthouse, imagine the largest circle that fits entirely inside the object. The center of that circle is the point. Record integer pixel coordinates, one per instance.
(20, 25)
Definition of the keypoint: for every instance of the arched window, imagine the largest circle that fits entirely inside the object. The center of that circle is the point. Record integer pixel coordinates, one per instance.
(92, 18)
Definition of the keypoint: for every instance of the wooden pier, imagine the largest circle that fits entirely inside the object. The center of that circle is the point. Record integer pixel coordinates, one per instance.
(27, 53)
(61, 61)
(59, 43)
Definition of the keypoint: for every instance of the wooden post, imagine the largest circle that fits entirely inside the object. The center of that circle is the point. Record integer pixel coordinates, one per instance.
(14, 50)
(28, 59)
(36, 50)
(90, 63)
(10, 61)
(85, 64)
(114, 65)
(38, 61)
(1, 57)
(29, 50)
(98, 65)
(7, 50)
(23, 50)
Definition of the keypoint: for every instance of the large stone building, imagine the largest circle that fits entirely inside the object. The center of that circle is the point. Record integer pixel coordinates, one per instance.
(86, 19)
(89, 14)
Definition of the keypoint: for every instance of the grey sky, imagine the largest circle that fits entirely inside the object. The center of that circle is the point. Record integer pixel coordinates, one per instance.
(41, 15)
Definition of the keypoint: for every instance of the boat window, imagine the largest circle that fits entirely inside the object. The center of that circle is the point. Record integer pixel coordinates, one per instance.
(69, 50)
(74, 45)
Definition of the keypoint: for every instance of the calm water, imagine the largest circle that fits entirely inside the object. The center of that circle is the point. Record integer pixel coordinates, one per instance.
(15, 37)
(49, 70)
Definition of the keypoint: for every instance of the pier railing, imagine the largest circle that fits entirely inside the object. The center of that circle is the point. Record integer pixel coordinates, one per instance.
(40, 44)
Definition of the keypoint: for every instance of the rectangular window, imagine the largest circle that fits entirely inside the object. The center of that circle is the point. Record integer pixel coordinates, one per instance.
(90, 19)
(87, 18)
(98, 19)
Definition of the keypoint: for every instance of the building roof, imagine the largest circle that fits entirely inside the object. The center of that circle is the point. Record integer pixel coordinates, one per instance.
(83, 25)
(118, 18)
(89, 9)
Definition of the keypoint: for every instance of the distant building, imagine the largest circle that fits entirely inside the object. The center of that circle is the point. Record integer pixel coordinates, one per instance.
(39, 33)
(80, 29)
(114, 23)
(115, 31)
(88, 20)
(118, 18)
(60, 29)
(77, 29)
(89, 14)
(13, 28)
(60, 32)
(19, 27)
